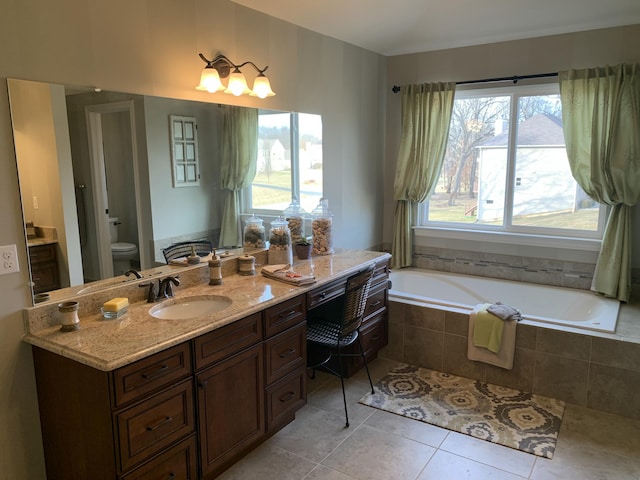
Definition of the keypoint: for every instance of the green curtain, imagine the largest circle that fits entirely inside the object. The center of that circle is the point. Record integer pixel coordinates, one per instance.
(239, 156)
(601, 122)
(426, 113)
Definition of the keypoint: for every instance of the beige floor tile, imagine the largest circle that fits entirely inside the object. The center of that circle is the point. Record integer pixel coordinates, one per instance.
(498, 456)
(600, 430)
(328, 397)
(447, 466)
(586, 464)
(314, 434)
(372, 454)
(407, 427)
(324, 473)
(268, 462)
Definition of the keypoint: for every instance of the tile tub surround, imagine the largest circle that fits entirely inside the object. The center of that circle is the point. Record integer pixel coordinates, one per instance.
(109, 344)
(599, 371)
(507, 267)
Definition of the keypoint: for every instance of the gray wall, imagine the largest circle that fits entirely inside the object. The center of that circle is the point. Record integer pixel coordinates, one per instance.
(522, 57)
(151, 47)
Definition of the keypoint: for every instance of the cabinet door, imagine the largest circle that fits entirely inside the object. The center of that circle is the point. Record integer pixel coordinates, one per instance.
(230, 408)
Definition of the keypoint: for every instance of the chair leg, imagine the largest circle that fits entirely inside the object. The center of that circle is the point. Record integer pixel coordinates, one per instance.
(344, 395)
(365, 365)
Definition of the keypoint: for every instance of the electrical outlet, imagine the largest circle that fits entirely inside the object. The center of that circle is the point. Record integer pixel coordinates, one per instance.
(8, 259)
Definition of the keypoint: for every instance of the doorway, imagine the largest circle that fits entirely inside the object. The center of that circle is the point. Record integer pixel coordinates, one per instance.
(114, 176)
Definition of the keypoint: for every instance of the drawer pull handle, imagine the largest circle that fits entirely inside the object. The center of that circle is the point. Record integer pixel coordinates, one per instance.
(288, 314)
(287, 396)
(171, 476)
(157, 373)
(375, 304)
(288, 353)
(374, 338)
(203, 385)
(323, 295)
(159, 424)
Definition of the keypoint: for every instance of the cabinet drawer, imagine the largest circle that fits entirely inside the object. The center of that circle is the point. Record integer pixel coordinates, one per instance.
(285, 397)
(380, 273)
(284, 315)
(179, 463)
(374, 335)
(151, 373)
(42, 253)
(45, 277)
(322, 295)
(227, 340)
(376, 301)
(285, 352)
(148, 427)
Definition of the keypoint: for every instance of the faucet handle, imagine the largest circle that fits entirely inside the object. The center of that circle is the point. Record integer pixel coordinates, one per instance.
(151, 295)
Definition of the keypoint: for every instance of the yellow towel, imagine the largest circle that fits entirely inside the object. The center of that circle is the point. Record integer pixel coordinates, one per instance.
(488, 330)
(504, 358)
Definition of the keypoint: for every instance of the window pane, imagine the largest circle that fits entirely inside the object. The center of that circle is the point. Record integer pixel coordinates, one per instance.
(476, 122)
(310, 160)
(544, 191)
(271, 187)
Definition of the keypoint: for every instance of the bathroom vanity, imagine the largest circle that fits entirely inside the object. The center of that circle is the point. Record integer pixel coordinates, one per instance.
(141, 397)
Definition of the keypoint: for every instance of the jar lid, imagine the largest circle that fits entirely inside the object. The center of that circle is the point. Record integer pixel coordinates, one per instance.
(253, 220)
(294, 209)
(279, 222)
(322, 210)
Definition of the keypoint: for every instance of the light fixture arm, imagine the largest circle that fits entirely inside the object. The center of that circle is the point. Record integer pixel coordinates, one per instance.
(223, 65)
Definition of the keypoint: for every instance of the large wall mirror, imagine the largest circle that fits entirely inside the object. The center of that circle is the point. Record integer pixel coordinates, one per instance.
(96, 164)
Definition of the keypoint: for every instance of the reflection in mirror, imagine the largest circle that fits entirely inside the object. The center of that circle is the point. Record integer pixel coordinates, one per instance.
(97, 185)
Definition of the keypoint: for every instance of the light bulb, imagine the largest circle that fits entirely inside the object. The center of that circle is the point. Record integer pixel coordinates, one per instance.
(262, 87)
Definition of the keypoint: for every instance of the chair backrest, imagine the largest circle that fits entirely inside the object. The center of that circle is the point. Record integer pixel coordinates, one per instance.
(183, 249)
(355, 300)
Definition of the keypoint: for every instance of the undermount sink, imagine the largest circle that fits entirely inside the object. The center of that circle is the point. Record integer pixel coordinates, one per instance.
(190, 307)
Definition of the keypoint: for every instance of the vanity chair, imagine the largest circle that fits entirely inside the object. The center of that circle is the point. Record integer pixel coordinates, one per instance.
(183, 249)
(336, 329)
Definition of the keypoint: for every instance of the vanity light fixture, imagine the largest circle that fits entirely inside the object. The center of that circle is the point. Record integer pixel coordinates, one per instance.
(221, 67)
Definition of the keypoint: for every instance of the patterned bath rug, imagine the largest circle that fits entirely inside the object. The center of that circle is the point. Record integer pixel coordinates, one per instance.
(505, 416)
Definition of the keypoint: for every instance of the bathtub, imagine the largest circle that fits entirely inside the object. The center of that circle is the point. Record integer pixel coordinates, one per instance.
(539, 304)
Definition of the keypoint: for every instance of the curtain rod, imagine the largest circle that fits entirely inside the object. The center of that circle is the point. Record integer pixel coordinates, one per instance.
(514, 79)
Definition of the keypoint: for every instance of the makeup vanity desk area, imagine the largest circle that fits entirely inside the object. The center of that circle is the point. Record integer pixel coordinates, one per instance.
(140, 397)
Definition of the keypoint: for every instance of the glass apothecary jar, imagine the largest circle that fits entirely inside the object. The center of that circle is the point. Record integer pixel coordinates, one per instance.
(280, 250)
(321, 228)
(254, 234)
(295, 215)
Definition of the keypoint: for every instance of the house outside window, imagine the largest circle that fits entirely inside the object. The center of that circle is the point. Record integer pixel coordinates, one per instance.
(289, 162)
(506, 169)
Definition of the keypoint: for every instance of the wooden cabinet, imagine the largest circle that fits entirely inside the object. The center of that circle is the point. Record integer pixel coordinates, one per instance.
(230, 380)
(44, 267)
(106, 425)
(192, 410)
(240, 368)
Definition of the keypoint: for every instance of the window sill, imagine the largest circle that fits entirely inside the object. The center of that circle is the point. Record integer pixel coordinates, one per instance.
(510, 238)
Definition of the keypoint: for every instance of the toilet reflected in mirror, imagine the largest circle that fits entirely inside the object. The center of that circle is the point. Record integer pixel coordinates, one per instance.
(124, 254)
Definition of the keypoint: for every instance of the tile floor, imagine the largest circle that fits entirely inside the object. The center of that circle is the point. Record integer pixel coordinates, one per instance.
(383, 446)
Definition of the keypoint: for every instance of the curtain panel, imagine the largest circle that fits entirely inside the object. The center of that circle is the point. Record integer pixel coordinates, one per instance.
(238, 163)
(601, 123)
(426, 114)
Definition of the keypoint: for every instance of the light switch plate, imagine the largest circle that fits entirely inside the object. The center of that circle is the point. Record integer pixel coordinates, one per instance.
(8, 259)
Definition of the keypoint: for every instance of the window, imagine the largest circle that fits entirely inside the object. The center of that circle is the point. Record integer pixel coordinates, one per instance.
(506, 168)
(184, 151)
(289, 162)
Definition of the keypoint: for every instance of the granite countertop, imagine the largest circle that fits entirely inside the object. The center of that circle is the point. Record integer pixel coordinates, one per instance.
(33, 242)
(110, 344)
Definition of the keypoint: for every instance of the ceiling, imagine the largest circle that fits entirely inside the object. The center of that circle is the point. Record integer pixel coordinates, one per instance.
(395, 27)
